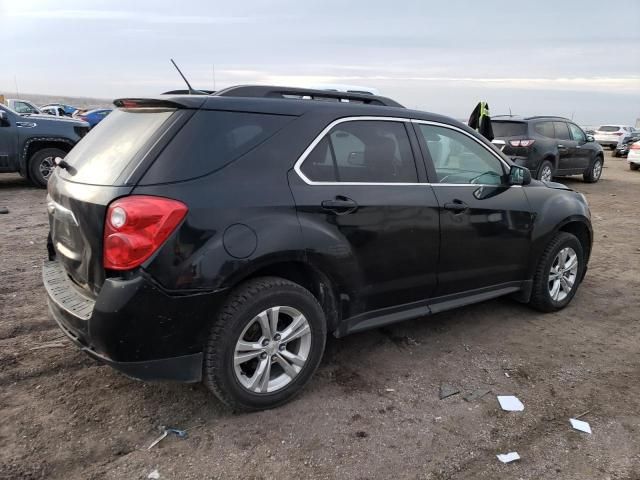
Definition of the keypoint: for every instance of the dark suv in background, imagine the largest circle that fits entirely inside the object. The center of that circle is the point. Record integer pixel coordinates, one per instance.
(549, 146)
(221, 238)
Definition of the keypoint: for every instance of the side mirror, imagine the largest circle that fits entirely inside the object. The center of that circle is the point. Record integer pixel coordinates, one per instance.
(519, 175)
(590, 138)
(4, 120)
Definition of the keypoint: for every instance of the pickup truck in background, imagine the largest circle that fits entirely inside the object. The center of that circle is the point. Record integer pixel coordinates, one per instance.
(30, 144)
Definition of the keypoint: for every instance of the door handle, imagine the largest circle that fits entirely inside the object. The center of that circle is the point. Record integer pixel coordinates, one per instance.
(457, 206)
(340, 205)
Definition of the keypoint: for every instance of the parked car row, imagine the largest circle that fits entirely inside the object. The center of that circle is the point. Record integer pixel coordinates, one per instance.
(25, 107)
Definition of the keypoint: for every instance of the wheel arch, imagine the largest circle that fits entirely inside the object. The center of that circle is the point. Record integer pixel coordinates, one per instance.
(34, 145)
(303, 273)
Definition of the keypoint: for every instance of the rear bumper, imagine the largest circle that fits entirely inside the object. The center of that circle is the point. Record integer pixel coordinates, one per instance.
(133, 325)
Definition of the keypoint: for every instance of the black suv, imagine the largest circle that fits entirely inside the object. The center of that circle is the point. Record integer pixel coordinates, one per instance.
(549, 147)
(221, 238)
(29, 144)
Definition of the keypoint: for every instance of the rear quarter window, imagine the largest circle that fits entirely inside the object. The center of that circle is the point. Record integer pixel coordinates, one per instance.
(209, 141)
(508, 129)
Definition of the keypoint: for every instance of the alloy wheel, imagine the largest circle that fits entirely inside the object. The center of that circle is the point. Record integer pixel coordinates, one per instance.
(597, 169)
(546, 174)
(563, 274)
(272, 349)
(46, 167)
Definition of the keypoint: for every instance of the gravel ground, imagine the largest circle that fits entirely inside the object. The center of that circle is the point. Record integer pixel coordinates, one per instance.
(372, 410)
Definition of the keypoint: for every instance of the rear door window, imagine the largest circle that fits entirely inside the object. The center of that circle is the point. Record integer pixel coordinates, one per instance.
(562, 131)
(368, 151)
(545, 129)
(106, 152)
(209, 141)
(508, 129)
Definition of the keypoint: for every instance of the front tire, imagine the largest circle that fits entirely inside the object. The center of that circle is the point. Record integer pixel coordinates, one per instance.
(42, 165)
(265, 344)
(559, 273)
(595, 171)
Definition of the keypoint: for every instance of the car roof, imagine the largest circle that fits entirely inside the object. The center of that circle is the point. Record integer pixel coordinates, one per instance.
(519, 118)
(285, 106)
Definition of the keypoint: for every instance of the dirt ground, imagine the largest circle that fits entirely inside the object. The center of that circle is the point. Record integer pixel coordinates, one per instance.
(372, 411)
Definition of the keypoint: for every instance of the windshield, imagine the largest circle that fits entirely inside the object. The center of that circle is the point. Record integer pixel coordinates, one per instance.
(107, 150)
(508, 129)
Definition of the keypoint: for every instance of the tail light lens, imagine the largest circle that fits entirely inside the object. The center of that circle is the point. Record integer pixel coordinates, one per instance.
(618, 133)
(521, 143)
(635, 146)
(136, 227)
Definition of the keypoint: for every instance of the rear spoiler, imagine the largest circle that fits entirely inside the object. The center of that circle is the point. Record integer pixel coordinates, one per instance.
(187, 101)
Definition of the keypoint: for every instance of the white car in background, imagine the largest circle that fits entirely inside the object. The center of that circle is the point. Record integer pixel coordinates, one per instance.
(612, 135)
(634, 156)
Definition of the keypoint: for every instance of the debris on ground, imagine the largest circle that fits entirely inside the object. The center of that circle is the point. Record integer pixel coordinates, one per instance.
(510, 403)
(476, 394)
(389, 389)
(447, 391)
(155, 475)
(508, 457)
(166, 431)
(580, 425)
(4, 210)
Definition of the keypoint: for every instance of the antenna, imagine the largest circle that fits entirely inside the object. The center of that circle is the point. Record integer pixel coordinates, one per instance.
(213, 72)
(15, 80)
(191, 90)
(510, 112)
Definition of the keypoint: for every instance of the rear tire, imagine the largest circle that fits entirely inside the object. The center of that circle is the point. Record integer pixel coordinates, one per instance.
(241, 346)
(633, 166)
(551, 273)
(595, 171)
(545, 172)
(612, 147)
(42, 165)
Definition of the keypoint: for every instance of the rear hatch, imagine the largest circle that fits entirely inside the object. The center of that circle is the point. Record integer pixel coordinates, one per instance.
(507, 137)
(105, 165)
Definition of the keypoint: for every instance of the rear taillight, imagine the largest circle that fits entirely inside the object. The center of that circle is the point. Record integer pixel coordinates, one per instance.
(521, 143)
(136, 226)
(618, 133)
(634, 146)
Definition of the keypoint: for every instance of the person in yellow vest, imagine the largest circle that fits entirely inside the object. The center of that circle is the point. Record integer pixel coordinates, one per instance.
(480, 120)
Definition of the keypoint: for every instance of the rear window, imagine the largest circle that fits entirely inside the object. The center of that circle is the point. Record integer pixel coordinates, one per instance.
(209, 141)
(107, 150)
(508, 129)
(609, 128)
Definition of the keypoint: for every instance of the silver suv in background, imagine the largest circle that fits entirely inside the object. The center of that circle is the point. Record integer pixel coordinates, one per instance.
(613, 135)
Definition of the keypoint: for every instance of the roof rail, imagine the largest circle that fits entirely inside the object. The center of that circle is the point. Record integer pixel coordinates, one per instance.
(548, 116)
(293, 92)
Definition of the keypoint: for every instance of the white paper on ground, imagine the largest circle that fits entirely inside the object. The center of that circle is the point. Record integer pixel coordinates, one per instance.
(580, 425)
(510, 403)
(508, 457)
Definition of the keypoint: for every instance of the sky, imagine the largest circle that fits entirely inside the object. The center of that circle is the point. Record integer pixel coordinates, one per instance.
(578, 59)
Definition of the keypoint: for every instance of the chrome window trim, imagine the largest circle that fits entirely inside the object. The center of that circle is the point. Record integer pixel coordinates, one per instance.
(321, 135)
